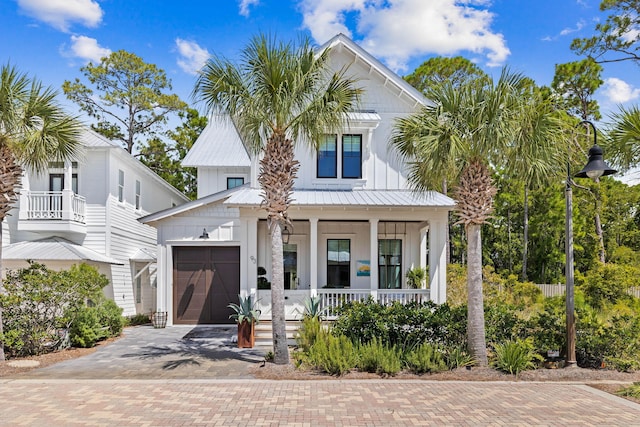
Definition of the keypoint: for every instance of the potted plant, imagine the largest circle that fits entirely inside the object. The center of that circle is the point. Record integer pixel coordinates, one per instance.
(415, 277)
(246, 316)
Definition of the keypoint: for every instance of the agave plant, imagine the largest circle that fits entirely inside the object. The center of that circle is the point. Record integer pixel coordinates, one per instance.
(245, 311)
(313, 307)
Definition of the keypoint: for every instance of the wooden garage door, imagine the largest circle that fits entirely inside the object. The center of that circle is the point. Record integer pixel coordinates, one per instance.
(205, 281)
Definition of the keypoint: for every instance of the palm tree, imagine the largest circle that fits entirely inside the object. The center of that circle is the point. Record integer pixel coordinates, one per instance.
(623, 138)
(34, 130)
(538, 153)
(466, 131)
(279, 94)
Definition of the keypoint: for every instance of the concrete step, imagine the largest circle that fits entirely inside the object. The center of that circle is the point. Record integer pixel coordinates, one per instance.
(264, 333)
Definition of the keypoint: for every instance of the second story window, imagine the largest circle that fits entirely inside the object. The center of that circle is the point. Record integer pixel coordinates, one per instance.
(138, 204)
(328, 157)
(352, 156)
(349, 160)
(233, 182)
(120, 185)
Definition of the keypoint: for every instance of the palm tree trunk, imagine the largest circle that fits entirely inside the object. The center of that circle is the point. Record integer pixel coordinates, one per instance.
(525, 237)
(278, 320)
(475, 303)
(2, 356)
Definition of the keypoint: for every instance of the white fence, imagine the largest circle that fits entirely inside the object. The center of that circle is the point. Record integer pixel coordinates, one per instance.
(554, 289)
(51, 205)
(331, 299)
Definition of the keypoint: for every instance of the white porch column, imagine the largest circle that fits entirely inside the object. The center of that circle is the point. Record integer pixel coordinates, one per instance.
(438, 258)
(67, 193)
(313, 256)
(373, 258)
(249, 256)
(422, 262)
(25, 187)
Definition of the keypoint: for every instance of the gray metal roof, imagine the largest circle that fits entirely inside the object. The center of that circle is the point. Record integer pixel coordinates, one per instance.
(369, 198)
(143, 255)
(219, 144)
(91, 138)
(53, 249)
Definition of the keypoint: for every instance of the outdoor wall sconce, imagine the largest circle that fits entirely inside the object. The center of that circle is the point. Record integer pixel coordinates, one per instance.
(286, 234)
(204, 234)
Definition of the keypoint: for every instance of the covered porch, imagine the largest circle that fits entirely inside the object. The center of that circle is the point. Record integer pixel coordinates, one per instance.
(345, 246)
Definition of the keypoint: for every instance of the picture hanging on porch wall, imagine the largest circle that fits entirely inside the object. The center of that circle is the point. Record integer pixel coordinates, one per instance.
(364, 268)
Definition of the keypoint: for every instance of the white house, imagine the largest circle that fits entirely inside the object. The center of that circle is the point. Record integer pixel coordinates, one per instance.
(87, 210)
(357, 228)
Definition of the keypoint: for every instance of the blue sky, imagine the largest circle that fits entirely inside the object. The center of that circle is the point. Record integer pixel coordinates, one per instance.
(52, 39)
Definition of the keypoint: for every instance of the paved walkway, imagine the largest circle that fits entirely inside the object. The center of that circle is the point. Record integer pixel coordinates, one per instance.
(176, 352)
(196, 376)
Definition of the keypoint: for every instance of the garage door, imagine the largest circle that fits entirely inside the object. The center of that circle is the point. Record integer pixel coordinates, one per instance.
(205, 281)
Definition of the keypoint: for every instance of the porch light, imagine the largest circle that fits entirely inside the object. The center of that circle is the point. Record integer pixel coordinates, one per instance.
(204, 234)
(286, 234)
(594, 169)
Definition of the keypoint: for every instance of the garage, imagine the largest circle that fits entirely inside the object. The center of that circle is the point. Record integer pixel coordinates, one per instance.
(205, 281)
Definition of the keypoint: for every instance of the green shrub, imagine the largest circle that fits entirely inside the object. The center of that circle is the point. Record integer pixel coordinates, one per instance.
(503, 322)
(458, 357)
(631, 391)
(308, 333)
(86, 329)
(425, 358)
(401, 325)
(37, 303)
(335, 355)
(137, 319)
(607, 283)
(376, 357)
(95, 323)
(516, 356)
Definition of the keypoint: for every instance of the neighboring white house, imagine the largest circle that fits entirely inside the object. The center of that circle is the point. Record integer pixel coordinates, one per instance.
(357, 228)
(87, 210)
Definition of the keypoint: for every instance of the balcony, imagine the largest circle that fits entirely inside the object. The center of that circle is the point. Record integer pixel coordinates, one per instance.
(52, 211)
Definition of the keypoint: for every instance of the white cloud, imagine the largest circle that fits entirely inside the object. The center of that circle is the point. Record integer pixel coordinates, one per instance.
(61, 13)
(192, 56)
(244, 6)
(618, 91)
(400, 29)
(579, 25)
(87, 49)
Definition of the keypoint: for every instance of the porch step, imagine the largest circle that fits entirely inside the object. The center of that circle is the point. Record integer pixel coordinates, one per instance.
(264, 333)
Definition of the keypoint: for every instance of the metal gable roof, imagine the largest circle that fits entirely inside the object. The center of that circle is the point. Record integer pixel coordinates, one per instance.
(54, 249)
(219, 144)
(359, 198)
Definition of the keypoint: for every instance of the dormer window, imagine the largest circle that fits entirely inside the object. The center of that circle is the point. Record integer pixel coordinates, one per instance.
(349, 162)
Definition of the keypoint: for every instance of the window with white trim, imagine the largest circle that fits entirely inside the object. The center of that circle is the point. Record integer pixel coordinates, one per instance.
(138, 196)
(120, 185)
(340, 153)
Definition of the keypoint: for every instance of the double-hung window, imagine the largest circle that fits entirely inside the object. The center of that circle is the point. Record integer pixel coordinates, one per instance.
(352, 156)
(120, 185)
(138, 195)
(340, 152)
(328, 157)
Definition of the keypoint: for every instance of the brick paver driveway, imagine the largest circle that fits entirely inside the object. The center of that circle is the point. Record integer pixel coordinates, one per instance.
(307, 403)
(195, 376)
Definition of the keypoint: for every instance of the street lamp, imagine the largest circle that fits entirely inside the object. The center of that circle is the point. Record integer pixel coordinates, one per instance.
(594, 169)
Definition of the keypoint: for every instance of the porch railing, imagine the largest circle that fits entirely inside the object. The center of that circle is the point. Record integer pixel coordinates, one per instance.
(331, 299)
(43, 205)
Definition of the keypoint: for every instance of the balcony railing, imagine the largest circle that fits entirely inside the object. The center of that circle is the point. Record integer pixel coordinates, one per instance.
(52, 205)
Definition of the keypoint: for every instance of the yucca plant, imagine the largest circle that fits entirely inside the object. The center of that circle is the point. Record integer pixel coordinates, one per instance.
(514, 357)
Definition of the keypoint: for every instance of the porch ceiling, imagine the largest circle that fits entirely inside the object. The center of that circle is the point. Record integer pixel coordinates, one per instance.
(249, 197)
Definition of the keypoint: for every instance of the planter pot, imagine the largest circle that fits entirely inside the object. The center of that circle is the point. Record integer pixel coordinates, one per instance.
(246, 336)
(159, 319)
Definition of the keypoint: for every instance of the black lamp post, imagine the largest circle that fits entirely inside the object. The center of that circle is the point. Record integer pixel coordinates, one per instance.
(594, 169)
